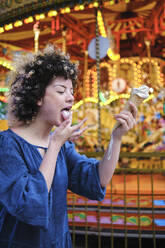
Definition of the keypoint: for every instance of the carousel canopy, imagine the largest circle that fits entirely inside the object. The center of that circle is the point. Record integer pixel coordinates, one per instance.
(130, 22)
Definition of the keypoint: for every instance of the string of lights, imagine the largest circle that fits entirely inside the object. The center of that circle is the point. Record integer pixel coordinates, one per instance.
(54, 11)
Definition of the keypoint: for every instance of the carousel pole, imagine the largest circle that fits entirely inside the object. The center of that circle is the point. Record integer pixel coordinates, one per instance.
(36, 30)
(84, 78)
(99, 111)
(98, 82)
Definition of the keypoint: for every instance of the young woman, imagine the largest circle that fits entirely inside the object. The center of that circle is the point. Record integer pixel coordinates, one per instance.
(37, 168)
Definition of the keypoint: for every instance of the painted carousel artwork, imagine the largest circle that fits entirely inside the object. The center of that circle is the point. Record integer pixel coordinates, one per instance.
(118, 45)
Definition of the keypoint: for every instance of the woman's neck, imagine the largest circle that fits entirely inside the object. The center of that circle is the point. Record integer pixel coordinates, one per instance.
(34, 133)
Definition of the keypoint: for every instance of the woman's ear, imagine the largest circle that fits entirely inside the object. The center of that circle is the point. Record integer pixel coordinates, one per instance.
(39, 103)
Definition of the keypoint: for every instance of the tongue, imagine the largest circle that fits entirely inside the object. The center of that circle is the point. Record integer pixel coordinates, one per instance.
(65, 114)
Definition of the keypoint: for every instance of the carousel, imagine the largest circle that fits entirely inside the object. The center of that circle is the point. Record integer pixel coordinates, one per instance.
(118, 44)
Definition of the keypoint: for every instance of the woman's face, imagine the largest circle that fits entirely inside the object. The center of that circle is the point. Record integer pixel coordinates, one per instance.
(58, 100)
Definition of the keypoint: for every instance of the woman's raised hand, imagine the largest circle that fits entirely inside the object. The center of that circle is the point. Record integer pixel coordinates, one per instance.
(127, 121)
(67, 132)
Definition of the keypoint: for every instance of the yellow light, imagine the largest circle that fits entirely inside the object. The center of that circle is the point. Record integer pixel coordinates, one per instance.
(28, 20)
(95, 100)
(4, 63)
(95, 4)
(18, 23)
(8, 26)
(52, 13)
(90, 5)
(42, 16)
(112, 55)
(39, 17)
(76, 8)
(103, 34)
(149, 98)
(1, 30)
(81, 7)
(62, 11)
(112, 2)
(67, 10)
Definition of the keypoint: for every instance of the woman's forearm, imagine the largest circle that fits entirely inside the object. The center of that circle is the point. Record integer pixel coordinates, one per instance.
(48, 165)
(108, 163)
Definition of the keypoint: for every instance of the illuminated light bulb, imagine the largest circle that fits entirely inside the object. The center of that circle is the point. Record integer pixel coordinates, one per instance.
(104, 34)
(1, 30)
(28, 20)
(90, 5)
(3, 63)
(42, 16)
(76, 8)
(37, 17)
(81, 7)
(52, 13)
(95, 4)
(18, 23)
(112, 2)
(8, 26)
(112, 55)
(67, 10)
(62, 11)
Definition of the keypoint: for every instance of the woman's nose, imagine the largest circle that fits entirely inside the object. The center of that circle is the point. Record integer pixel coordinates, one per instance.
(70, 97)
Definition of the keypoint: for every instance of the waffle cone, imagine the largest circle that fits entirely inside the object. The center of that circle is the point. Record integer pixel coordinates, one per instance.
(134, 99)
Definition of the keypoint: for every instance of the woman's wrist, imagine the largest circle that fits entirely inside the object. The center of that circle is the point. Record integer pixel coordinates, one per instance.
(116, 137)
(54, 145)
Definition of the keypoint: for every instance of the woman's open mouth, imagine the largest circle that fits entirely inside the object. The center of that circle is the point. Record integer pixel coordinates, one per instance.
(66, 112)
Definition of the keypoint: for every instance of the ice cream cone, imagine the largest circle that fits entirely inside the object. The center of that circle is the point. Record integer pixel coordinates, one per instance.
(134, 99)
(137, 96)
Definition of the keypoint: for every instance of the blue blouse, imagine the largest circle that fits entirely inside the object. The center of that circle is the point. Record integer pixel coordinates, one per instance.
(30, 217)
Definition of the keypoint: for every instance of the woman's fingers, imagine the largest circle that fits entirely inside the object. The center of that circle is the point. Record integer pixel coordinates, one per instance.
(133, 109)
(77, 134)
(67, 132)
(126, 119)
(64, 124)
(77, 126)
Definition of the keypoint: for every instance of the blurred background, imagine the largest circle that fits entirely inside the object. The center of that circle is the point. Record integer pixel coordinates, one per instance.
(118, 44)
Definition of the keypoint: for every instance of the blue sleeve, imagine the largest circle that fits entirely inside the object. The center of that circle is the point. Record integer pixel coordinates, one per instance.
(83, 174)
(24, 195)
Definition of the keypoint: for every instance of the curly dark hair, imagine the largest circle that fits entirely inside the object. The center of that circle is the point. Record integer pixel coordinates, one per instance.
(29, 81)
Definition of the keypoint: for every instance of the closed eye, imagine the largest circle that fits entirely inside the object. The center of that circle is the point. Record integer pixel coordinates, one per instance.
(60, 92)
